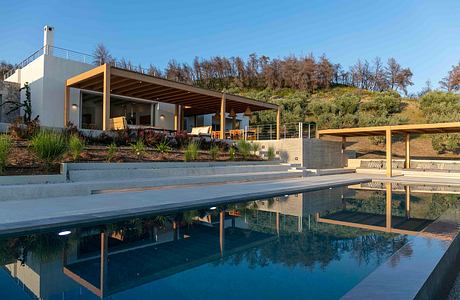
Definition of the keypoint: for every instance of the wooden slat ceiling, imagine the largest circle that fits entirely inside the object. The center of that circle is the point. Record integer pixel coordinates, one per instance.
(196, 101)
(433, 128)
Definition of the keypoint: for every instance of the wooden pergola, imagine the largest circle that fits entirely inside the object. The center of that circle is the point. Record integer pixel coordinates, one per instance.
(388, 131)
(188, 100)
(388, 223)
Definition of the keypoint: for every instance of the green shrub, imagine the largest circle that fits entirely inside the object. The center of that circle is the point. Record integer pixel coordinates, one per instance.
(49, 146)
(255, 148)
(191, 153)
(271, 153)
(244, 148)
(138, 148)
(232, 152)
(163, 146)
(214, 152)
(5, 148)
(111, 151)
(76, 146)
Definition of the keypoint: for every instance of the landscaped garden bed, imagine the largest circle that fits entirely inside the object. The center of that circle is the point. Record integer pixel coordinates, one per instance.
(30, 150)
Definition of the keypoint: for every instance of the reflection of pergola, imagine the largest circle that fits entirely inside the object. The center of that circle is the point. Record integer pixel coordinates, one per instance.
(385, 223)
(189, 100)
(388, 131)
(113, 272)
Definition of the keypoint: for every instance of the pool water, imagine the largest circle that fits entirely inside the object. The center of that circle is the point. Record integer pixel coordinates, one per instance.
(316, 245)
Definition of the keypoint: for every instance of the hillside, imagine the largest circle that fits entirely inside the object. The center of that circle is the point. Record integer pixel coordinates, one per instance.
(342, 106)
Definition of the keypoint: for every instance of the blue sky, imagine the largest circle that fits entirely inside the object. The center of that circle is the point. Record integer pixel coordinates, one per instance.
(422, 35)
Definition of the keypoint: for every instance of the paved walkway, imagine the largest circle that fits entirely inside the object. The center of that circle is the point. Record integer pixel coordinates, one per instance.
(30, 215)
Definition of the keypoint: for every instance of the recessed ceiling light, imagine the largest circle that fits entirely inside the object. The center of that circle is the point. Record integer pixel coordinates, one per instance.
(65, 232)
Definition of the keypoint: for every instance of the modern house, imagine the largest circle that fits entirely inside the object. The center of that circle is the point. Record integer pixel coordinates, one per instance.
(68, 86)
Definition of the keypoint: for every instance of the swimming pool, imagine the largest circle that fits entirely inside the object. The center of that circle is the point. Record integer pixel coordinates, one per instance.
(316, 245)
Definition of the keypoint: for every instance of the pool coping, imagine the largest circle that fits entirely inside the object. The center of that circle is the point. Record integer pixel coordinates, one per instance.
(98, 217)
(411, 279)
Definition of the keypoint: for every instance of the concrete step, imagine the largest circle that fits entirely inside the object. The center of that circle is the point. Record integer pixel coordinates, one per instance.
(321, 172)
(34, 191)
(118, 174)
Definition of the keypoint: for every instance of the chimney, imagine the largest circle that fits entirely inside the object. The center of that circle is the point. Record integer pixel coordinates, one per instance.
(48, 40)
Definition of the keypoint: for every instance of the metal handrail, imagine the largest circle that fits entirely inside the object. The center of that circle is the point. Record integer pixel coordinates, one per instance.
(288, 130)
(67, 54)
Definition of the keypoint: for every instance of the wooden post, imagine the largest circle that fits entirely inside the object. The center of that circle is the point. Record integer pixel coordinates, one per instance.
(222, 117)
(176, 117)
(344, 141)
(106, 99)
(104, 260)
(152, 114)
(222, 232)
(66, 105)
(277, 223)
(389, 155)
(182, 119)
(278, 122)
(407, 142)
(388, 206)
(407, 202)
(234, 122)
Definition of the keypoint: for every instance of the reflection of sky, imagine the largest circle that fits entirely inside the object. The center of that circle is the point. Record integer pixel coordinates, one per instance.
(275, 281)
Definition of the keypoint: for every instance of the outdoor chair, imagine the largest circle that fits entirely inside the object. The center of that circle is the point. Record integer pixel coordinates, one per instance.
(201, 131)
(118, 123)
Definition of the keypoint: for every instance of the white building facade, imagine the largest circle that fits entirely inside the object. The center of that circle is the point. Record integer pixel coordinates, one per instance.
(46, 72)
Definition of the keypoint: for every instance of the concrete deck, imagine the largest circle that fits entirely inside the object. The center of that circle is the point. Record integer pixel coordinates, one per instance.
(59, 212)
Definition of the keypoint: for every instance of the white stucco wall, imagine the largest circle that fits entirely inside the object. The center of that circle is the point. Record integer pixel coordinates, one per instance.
(57, 71)
(46, 76)
(33, 74)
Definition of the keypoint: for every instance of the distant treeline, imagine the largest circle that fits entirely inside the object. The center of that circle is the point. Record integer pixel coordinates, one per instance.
(305, 72)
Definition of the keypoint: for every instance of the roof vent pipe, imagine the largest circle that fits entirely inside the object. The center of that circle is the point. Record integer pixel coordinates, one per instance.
(48, 40)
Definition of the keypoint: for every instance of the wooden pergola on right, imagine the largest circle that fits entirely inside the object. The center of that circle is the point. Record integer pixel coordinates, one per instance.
(388, 131)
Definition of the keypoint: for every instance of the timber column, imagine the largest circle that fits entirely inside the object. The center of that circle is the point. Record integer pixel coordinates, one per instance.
(407, 148)
(278, 122)
(106, 99)
(389, 155)
(222, 117)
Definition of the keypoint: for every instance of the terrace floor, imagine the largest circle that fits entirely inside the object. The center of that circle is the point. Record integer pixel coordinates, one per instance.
(34, 214)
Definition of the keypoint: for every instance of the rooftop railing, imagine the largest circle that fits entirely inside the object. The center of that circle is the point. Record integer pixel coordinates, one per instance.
(54, 51)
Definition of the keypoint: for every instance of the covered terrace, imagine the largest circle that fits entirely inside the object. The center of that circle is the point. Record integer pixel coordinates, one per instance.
(388, 132)
(187, 99)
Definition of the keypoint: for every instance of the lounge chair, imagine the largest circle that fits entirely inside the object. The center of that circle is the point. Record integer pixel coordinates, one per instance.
(201, 131)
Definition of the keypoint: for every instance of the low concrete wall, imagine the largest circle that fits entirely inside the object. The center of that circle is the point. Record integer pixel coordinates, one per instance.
(309, 153)
(287, 150)
(320, 154)
(418, 164)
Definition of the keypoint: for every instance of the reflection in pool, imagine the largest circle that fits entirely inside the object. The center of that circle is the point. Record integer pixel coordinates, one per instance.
(315, 245)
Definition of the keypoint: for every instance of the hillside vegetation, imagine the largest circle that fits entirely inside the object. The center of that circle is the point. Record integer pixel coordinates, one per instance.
(342, 106)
